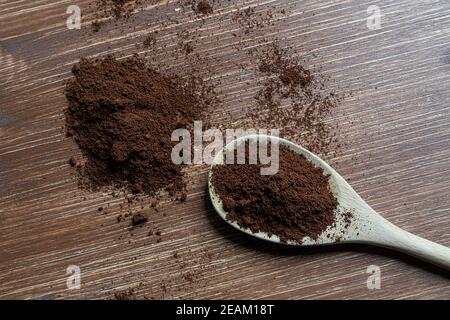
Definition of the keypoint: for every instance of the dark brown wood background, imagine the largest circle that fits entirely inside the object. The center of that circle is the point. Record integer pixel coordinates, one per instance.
(397, 157)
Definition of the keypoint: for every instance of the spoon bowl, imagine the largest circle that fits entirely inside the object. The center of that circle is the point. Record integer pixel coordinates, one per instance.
(366, 227)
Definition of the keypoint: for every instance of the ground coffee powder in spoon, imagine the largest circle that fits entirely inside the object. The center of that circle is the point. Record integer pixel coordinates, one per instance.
(294, 203)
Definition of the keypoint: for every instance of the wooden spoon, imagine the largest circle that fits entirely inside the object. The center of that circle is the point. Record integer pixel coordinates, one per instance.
(367, 226)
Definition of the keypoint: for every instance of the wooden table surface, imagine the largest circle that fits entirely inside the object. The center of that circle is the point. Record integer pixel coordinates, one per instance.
(397, 156)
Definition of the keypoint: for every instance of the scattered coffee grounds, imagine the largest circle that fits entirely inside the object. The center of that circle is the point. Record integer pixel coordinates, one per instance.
(140, 217)
(121, 114)
(118, 8)
(348, 217)
(115, 9)
(296, 100)
(96, 26)
(294, 203)
(249, 20)
(128, 294)
(187, 271)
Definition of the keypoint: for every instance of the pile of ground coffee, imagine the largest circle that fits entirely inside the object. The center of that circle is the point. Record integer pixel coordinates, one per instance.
(294, 203)
(121, 114)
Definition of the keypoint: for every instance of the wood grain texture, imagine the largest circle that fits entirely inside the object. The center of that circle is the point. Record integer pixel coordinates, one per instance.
(397, 157)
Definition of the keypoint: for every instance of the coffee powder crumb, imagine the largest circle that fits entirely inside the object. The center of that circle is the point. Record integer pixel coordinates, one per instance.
(149, 41)
(128, 294)
(183, 196)
(293, 203)
(72, 162)
(140, 217)
(153, 203)
(348, 217)
(203, 7)
(96, 26)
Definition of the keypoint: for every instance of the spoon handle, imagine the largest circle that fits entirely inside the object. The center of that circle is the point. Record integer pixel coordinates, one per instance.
(391, 236)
